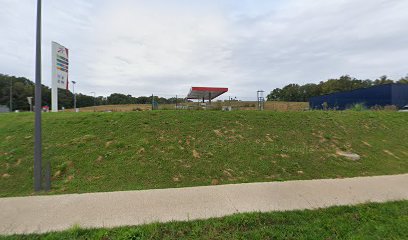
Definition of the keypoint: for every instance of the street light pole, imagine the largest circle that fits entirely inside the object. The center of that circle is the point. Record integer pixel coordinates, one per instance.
(73, 90)
(38, 132)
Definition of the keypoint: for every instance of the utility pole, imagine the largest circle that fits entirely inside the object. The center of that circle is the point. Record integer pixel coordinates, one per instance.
(152, 102)
(11, 95)
(38, 132)
(73, 91)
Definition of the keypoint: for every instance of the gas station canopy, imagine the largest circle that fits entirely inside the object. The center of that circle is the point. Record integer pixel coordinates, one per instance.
(206, 93)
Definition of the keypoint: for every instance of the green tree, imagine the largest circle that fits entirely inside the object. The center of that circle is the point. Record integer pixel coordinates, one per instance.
(117, 98)
(292, 93)
(309, 90)
(21, 89)
(295, 93)
(383, 80)
(275, 95)
(403, 80)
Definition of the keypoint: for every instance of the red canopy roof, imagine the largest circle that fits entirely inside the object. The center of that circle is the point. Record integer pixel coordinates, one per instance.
(206, 93)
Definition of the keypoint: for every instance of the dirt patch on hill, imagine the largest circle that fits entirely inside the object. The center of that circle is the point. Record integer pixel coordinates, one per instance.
(391, 154)
(196, 154)
(348, 155)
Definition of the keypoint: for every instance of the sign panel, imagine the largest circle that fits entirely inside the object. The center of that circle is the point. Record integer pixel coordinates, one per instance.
(60, 66)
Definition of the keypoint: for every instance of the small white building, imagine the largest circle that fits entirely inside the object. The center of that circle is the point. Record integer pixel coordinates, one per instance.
(4, 109)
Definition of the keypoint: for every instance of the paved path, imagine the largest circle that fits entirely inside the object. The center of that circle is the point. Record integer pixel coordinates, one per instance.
(54, 213)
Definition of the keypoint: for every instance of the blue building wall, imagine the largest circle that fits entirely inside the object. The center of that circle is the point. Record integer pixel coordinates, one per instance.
(381, 95)
(400, 95)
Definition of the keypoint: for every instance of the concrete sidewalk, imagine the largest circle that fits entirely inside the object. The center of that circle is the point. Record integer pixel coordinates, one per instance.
(96, 210)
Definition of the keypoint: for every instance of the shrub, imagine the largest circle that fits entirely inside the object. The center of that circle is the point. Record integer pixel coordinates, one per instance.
(325, 106)
(377, 108)
(391, 108)
(358, 107)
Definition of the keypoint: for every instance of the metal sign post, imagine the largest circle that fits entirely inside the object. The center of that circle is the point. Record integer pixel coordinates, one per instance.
(59, 72)
(38, 138)
(30, 102)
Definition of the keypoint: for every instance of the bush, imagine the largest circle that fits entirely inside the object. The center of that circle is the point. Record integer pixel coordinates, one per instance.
(358, 107)
(325, 106)
(391, 108)
(377, 108)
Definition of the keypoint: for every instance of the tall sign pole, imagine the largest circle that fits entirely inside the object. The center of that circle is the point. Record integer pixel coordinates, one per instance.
(38, 133)
(54, 86)
(59, 72)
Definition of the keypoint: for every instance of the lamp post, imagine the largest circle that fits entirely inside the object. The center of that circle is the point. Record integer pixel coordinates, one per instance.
(38, 132)
(73, 90)
(94, 101)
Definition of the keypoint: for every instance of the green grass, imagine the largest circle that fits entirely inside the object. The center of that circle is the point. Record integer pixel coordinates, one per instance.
(94, 152)
(370, 221)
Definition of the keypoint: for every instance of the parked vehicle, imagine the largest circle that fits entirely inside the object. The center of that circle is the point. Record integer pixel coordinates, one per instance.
(404, 109)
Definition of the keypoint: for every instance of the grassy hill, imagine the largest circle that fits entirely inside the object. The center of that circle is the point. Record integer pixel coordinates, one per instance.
(93, 152)
(269, 106)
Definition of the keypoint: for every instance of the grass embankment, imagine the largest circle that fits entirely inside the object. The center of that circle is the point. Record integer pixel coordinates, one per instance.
(93, 152)
(371, 221)
(269, 106)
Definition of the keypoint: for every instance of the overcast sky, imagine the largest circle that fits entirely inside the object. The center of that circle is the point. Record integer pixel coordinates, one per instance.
(167, 46)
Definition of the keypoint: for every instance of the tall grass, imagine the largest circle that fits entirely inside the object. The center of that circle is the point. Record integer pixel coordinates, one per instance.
(358, 107)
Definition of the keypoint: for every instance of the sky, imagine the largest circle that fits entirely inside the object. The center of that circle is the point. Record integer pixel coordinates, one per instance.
(164, 47)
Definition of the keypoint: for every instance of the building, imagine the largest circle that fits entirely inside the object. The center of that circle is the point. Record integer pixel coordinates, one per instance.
(4, 109)
(395, 94)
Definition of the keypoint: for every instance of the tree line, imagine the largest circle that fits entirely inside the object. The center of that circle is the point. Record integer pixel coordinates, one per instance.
(21, 88)
(302, 93)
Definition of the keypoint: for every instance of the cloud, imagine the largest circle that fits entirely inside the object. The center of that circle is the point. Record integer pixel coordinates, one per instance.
(165, 47)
